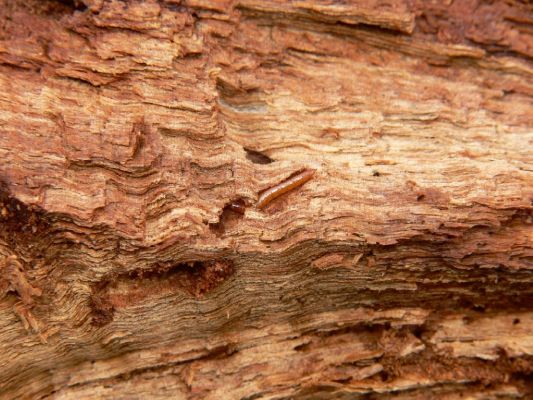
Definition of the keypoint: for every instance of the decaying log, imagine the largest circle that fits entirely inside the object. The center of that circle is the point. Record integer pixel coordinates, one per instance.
(136, 138)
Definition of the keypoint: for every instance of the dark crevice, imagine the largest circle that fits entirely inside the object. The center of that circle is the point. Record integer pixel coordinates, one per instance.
(302, 347)
(21, 223)
(79, 80)
(498, 51)
(342, 380)
(221, 352)
(418, 331)
(178, 8)
(55, 7)
(230, 213)
(74, 5)
(254, 396)
(257, 157)
(384, 376)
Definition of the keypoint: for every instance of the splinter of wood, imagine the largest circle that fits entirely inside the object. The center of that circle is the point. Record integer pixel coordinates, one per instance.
(292, 182)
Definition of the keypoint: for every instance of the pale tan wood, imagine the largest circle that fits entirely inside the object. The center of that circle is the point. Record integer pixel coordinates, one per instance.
(134, 133)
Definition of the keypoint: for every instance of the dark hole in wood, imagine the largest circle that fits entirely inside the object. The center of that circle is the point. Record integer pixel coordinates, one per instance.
(231, 211)
(195, 277)
(257, 157)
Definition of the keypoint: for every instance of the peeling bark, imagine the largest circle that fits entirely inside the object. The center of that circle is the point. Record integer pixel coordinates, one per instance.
(138, 260)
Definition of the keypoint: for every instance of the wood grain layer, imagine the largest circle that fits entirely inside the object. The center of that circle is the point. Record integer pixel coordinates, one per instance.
(402, 269)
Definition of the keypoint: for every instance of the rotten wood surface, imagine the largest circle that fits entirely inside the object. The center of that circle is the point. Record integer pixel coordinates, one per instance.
(136, 138)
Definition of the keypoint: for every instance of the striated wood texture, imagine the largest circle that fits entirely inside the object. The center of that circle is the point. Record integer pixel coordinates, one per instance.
(136, 138)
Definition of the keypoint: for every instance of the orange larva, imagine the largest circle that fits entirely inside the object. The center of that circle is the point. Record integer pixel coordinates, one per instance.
(275, 191)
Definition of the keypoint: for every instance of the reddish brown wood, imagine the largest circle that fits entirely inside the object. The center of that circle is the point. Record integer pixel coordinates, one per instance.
(136, 138)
